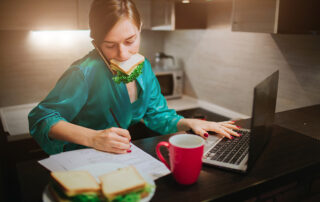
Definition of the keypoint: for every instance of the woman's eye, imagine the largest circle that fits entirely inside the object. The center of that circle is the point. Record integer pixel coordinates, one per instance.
(109, 46)
(130, 41)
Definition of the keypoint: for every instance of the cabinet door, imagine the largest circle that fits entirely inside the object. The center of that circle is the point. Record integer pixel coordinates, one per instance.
(299, 17)
(172, 15)
(162, 15)
(144, 8)
(277, 16)
(255, 15)
(191, 15)
(38, 14)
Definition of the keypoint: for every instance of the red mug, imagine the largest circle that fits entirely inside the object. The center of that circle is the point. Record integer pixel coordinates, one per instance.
(185, 154)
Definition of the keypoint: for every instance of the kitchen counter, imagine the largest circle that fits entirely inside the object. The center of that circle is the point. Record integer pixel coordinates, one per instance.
(183, 103)
(14, 120)
(187, 102)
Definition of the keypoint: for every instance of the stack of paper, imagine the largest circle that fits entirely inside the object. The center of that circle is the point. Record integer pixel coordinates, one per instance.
(83, 157)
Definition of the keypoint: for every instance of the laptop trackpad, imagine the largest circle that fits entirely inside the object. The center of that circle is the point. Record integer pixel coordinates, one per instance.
(212, 140)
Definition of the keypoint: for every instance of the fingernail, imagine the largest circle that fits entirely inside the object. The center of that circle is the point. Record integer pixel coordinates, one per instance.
(129, 150)
(232, 121)
(206, 135)
(239, 134)
(231, 137)
(130, 140)
(238, 127)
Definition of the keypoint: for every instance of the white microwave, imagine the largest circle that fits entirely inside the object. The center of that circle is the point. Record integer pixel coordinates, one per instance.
(171, 83)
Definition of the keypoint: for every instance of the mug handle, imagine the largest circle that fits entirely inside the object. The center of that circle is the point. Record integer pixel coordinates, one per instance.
(166, 144)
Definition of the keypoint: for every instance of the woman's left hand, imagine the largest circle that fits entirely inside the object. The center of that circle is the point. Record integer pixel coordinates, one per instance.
(202, 127)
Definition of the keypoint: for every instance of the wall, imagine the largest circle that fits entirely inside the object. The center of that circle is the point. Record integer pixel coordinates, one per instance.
(222, 67)
(31, 63)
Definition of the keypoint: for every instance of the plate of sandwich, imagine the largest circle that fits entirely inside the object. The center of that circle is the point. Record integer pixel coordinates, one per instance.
(100, 182)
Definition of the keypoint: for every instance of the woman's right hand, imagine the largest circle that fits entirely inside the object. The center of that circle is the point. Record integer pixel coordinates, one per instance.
(113, 140)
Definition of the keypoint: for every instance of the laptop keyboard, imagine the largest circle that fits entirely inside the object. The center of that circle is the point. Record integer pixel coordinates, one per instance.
(231, 151)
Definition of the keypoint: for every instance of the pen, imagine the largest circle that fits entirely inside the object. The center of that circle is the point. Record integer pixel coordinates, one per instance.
(115, 118)
(118, 124)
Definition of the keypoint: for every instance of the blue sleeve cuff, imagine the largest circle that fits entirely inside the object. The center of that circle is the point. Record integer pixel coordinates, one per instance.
(41, 131)
(174, 122)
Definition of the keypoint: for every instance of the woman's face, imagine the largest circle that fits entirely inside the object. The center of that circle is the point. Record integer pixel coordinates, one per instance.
(122, 41)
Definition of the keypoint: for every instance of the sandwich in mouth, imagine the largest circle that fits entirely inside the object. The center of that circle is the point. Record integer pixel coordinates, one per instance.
(129, 70)
(124, 184)
(74, 186)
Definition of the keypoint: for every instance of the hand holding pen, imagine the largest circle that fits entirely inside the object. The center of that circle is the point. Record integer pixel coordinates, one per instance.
(113, 140)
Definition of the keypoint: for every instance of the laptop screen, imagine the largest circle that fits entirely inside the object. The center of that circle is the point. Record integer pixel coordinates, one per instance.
(264, 104)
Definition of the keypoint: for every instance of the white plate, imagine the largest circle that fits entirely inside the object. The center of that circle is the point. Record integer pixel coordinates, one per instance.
(99, 169)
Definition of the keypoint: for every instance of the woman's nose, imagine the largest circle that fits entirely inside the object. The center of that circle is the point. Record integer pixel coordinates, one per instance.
(123, 53)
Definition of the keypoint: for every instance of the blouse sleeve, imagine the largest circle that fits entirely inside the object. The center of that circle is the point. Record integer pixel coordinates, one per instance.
(158, 116)
(63, 103)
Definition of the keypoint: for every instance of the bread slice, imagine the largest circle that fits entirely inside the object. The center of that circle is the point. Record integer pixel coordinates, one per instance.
(121, 181)
(76, 182)
(127, 66)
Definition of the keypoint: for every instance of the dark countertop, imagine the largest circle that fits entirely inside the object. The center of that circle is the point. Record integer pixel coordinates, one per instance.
(201, 113)
(288, 164)
(288, 158)
(304, 120)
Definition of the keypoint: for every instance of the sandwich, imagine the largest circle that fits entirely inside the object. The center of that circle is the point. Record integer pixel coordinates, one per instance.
(74, 186)
(124, 184)
(129, 70)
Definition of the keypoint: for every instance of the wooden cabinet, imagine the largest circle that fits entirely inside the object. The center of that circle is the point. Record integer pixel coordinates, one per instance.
(299, 16)
(276, 16)
(55, 15)
(38, 14)
(162, 15)
(255, 16)
(172, 15)
(143, 7)
(74, 14)
(158, 14)
(191, 16)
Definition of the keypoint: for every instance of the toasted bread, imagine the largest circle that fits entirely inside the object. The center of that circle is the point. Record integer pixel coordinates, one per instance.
(129, 65)
(121, 182)
(76, 182)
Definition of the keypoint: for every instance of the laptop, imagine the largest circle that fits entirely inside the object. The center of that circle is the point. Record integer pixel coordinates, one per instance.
(240, 153)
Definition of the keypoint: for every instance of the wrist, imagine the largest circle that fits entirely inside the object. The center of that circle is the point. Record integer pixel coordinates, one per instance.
(183, 125)
(90, 140)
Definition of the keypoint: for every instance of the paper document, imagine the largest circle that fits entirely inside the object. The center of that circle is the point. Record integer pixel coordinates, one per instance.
(74, 159)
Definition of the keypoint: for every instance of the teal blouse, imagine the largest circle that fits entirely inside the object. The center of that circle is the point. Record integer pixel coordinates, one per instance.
(85, 93)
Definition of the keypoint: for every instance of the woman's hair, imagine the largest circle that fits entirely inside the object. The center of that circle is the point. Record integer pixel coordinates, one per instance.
(104, 14)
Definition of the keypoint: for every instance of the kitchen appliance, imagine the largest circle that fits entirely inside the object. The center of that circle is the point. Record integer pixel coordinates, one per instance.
(164, 61)
(171, 82)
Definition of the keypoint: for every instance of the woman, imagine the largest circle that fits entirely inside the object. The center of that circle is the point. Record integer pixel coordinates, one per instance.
(76, 113)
